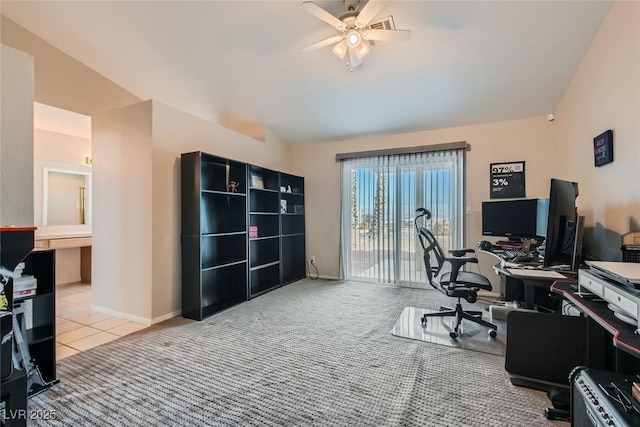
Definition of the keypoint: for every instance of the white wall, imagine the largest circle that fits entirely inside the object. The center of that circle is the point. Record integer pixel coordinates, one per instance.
(136, 228)
(605, 94)
(530, 140)
(16, 137)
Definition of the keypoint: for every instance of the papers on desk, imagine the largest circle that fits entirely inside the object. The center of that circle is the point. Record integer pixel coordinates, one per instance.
(536, 273)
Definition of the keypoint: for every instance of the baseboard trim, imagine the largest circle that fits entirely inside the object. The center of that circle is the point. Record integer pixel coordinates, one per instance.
(166, 317)
(137, 319)
(325, 277)
(131, 317)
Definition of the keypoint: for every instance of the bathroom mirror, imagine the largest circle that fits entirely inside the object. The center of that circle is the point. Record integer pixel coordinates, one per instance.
(66, 195)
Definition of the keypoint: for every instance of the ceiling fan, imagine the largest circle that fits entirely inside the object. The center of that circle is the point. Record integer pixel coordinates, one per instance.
(354, 32)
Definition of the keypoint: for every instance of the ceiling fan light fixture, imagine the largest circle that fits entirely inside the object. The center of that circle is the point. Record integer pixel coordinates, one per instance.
(362, 49)
(353, 38)
(340, 50)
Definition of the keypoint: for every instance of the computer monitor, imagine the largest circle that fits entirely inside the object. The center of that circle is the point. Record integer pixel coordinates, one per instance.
(563, 227)
(515, 219)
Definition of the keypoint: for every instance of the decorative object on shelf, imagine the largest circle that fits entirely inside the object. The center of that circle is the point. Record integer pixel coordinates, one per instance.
(253, 232)
(288, 189)
(256, 181)
(299, 209)
(233, 186)
(603, 148)
(283, 206)
(283, 189)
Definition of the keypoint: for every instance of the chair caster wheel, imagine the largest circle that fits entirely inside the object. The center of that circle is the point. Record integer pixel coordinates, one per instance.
(453, 335)
(493, 333)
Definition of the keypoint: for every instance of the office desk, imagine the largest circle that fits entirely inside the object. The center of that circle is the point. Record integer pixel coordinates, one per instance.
(626, 357)
(531, 279)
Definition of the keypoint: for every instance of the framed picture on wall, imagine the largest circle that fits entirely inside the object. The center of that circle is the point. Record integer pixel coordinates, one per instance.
(506, 180)
(603, 148)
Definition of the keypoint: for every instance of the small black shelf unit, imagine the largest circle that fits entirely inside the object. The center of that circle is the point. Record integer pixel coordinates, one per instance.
(41, 329)
(238, 239)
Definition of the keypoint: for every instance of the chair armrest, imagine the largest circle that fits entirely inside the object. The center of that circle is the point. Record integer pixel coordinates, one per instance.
(460, 252)
(457, 263)
(462, 260)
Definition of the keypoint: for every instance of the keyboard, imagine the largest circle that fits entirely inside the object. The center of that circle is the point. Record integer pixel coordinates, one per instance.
(512, 253)
(526, 259)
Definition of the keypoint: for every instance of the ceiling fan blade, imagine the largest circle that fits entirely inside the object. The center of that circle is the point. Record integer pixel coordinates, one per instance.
(320, 13)
(369, 11)
(387, 35)
(354, 61)
(322, 43)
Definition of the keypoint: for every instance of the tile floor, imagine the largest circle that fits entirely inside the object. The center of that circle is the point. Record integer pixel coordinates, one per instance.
(79, 328)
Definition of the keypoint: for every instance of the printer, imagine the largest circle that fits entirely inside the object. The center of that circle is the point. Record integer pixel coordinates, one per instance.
(618, 283)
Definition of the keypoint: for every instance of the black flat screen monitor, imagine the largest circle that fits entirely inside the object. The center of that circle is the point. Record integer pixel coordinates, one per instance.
(515, 219)
(562, 224)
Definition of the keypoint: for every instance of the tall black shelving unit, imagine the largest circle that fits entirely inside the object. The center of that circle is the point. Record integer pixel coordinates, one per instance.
(264, 231)
(292, 228)
(243, 232)
(214, 234)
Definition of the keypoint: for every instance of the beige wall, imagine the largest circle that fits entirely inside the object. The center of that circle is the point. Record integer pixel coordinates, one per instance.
(122, 212)
(16, 137)
(176, 132)
(61, 80)
(605, 94)
(530, 140)
(136, 175)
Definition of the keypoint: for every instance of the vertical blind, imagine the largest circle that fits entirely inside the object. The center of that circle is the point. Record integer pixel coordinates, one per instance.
(379, 197)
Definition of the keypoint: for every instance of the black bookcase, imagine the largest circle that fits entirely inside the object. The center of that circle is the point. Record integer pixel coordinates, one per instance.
(264, 231)
(243, 232)
(292, 228)
(41, 326)
(214, 234)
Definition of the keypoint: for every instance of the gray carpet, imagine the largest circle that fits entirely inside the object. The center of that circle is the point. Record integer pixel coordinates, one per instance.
(311, 353)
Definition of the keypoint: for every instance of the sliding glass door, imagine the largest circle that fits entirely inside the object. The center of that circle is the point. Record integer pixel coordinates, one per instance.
(380, 196)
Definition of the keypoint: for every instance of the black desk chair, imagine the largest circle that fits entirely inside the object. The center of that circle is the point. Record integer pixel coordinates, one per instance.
(456, 283)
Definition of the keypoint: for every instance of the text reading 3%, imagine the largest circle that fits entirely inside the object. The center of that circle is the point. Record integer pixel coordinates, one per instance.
(500, 181)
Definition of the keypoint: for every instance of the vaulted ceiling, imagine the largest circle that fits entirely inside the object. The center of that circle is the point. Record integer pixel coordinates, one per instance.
(465, 63)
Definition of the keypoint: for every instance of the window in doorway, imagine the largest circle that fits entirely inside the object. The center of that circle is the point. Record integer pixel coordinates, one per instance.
(379, 198)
